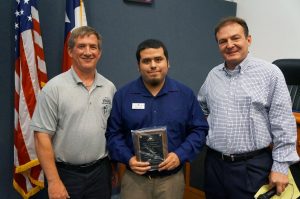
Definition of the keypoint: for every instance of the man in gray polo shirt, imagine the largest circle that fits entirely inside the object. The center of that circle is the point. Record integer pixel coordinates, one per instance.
(69, 123)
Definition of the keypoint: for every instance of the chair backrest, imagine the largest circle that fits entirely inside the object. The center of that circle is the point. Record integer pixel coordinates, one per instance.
(291, 71)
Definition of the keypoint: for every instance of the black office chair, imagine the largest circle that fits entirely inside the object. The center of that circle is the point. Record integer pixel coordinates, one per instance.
(291, 71)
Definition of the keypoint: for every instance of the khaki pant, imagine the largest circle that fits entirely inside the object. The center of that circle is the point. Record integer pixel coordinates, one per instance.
(134, 186)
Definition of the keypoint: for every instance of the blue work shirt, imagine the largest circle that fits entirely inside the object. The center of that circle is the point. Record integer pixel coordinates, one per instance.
(175, 106)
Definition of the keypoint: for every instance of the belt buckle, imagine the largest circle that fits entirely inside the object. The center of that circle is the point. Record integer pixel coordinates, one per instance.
(232, 158)
(229, 155)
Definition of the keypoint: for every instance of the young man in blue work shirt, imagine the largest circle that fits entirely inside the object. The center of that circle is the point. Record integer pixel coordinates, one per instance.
(154, 99)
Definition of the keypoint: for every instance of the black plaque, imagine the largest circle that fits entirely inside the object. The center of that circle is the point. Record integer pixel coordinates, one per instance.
(151, 145)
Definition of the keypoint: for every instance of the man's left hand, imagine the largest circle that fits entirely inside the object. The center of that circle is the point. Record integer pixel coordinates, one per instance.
(171, 162)
(279, 180)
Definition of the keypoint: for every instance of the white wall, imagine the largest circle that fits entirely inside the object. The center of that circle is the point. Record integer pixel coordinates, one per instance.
(274, 26)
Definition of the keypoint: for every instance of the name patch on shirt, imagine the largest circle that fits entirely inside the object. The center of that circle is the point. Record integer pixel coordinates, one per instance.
(138, 106)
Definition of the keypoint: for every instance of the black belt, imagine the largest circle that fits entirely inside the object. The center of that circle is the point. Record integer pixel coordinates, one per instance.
(158, 174)
(161, 174)
(237, 157)
(80, 167)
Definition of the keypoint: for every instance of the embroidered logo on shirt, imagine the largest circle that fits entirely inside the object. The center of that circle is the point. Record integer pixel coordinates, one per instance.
(106, 102)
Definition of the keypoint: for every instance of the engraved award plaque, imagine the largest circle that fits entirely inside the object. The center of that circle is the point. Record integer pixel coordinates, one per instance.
(151, 145)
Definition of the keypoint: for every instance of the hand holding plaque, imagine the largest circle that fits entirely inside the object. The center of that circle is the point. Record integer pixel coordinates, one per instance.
(150, 145)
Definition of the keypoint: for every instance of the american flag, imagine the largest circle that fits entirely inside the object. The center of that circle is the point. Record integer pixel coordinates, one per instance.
(30, 76)
(74, 17)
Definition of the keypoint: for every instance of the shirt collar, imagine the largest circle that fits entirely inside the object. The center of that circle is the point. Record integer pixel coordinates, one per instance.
(75, 76)
(241, 67)
(169, 86)
(245, 63)
(140, 88)
(97, 80)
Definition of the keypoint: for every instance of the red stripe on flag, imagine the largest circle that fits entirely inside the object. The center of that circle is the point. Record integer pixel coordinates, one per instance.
(35, 171)
(39, 51)
(21, 181)
(17, 66)
(36, 26)
(26, 81)
(23, 156)
(42, 78)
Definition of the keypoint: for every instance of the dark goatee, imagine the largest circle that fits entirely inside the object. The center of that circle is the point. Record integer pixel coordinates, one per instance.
(154, 82)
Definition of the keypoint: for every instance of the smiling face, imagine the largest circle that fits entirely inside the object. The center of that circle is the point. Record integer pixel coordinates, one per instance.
(85, 53)
(153, 66)
(233, 44)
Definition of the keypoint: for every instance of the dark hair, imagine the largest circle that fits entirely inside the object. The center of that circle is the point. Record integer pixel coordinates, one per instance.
(150, 43)
(229, 20)
(83, 31)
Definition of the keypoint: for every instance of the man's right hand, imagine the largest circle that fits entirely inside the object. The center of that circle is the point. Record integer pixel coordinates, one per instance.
(139, 167)
(279, 180)
(57, 190)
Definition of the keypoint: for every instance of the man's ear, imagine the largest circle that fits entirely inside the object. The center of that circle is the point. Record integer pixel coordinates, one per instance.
(70, 52)
(138, 66)
(249, 39)
(100, 54)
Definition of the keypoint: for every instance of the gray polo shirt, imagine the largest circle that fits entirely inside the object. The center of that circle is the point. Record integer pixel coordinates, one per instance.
(75, 117)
